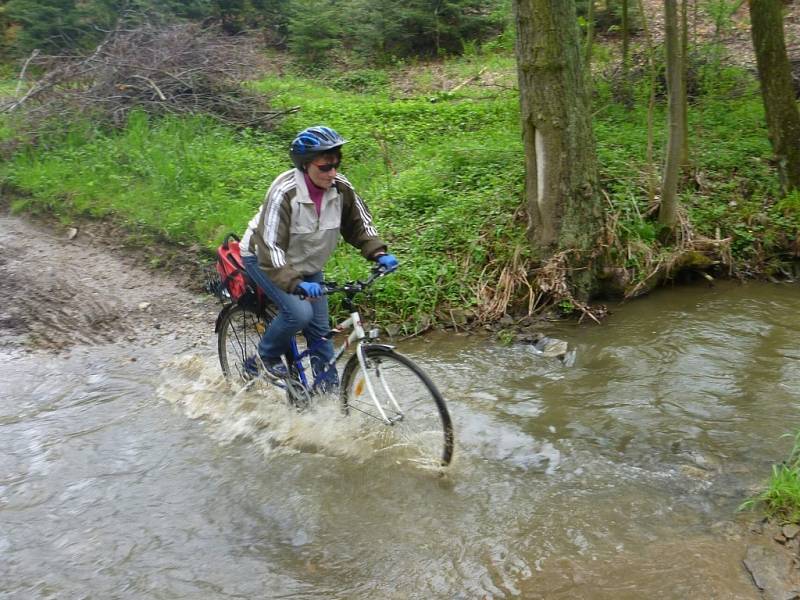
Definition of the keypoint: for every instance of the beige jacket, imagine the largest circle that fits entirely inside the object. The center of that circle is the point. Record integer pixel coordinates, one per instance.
(291, 240)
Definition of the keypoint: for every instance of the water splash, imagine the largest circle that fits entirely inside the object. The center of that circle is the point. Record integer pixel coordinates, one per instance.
(262, 415)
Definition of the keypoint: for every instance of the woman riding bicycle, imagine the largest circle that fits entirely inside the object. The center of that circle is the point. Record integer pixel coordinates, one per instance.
(292, 236)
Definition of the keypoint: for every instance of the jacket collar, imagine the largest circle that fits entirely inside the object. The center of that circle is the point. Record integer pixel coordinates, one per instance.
(302, 190)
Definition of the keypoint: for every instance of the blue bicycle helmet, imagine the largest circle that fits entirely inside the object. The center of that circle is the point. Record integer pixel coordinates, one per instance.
(313, 141)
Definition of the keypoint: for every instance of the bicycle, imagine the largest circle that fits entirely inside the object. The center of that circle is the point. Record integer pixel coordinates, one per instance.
(377, 381)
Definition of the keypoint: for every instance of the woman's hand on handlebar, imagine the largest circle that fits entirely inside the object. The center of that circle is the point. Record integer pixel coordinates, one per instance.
(309, 289)
(388, 261)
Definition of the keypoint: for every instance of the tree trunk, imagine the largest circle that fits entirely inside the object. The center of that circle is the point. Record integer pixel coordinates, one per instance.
(668, 211)
(626, 95)
(589, 36)
(651, 104)
(774, 70)
(684, 35)
(560, 162)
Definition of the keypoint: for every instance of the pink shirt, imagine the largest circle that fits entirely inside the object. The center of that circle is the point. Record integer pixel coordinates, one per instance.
(314, 192)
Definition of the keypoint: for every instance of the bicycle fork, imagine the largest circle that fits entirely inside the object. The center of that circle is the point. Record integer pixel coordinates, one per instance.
(362, 361)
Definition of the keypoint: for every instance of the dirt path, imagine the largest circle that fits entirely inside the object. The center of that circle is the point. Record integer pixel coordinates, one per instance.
(62, 287)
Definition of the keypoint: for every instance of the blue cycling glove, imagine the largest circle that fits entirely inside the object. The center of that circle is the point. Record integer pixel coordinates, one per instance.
(388, 262)
(309, 289)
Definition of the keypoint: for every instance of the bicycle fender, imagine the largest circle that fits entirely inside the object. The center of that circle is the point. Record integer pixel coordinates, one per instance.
(226, 309)
(385, 347)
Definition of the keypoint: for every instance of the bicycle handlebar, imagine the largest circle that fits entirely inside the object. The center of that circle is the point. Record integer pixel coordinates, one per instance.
(350, 288)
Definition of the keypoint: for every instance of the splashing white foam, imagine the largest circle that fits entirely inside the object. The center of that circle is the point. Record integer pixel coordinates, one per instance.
(262, 415)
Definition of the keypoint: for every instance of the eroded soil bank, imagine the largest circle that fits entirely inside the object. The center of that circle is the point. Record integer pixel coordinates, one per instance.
(64, 287)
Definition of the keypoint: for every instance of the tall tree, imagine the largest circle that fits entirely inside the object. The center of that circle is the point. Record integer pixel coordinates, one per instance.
(387, 29)
(589, 35)
(651, 101)
(774, 71)
(668, 211)
(57, 26)
(626, 95)
(684, 35)
(314, 31)
(560, 157)
(49, 26)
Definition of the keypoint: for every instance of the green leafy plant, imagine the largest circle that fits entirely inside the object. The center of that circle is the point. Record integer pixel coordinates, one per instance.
(566, 307)
(505, 337)
(789, 208)
(781, 498)
(722, 12)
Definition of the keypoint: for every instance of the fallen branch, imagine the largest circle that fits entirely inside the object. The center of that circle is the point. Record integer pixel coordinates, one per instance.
(469, 80)
(179, 69)
(153, 85)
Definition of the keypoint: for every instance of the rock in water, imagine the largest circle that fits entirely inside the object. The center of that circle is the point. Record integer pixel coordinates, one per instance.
(772, 573)
(551, 347)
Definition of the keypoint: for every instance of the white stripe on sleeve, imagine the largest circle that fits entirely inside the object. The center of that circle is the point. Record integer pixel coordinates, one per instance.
(272, 222)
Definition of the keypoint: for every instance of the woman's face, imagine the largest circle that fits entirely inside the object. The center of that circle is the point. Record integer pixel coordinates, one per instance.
(322, 170)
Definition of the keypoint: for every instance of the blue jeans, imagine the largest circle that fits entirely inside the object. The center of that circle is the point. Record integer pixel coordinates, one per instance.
(294, 315)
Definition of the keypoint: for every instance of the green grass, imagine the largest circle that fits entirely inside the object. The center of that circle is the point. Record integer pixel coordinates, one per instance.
(780, 500)
(187, 179)
(442, 173)
(8, 87)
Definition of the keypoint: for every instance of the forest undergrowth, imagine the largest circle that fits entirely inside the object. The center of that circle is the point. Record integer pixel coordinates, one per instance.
(435, 149)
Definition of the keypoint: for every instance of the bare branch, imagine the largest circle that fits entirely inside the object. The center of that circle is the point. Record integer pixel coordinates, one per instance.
(33, 55)
(153, 85)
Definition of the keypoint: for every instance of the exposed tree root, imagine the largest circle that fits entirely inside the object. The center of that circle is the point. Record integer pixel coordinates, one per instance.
(517, 287)
(689, 252)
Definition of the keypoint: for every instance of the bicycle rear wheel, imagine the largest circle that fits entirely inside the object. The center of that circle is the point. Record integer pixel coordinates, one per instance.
(237, 338)
(421, 424)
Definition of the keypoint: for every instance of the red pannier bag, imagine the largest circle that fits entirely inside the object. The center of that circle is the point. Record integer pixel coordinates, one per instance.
(231, 271)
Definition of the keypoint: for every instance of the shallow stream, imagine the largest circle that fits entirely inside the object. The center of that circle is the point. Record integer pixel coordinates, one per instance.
(128, 472)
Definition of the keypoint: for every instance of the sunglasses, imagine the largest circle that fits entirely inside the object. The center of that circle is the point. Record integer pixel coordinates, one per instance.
(326, 168)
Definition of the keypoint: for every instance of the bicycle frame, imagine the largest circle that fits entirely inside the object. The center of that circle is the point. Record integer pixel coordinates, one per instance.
(352, 322)
(357, 334)
(294, 357)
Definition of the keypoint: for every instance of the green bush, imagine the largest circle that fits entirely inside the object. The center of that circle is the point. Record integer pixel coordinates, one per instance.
(381, 31)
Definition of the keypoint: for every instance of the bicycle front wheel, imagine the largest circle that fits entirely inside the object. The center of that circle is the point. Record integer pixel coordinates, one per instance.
(419, 422)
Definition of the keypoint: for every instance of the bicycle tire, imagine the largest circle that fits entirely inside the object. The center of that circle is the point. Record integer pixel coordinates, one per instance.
(237, 339)
(423, 427)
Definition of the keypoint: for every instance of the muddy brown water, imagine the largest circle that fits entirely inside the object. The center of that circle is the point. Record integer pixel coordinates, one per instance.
(128, 471)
